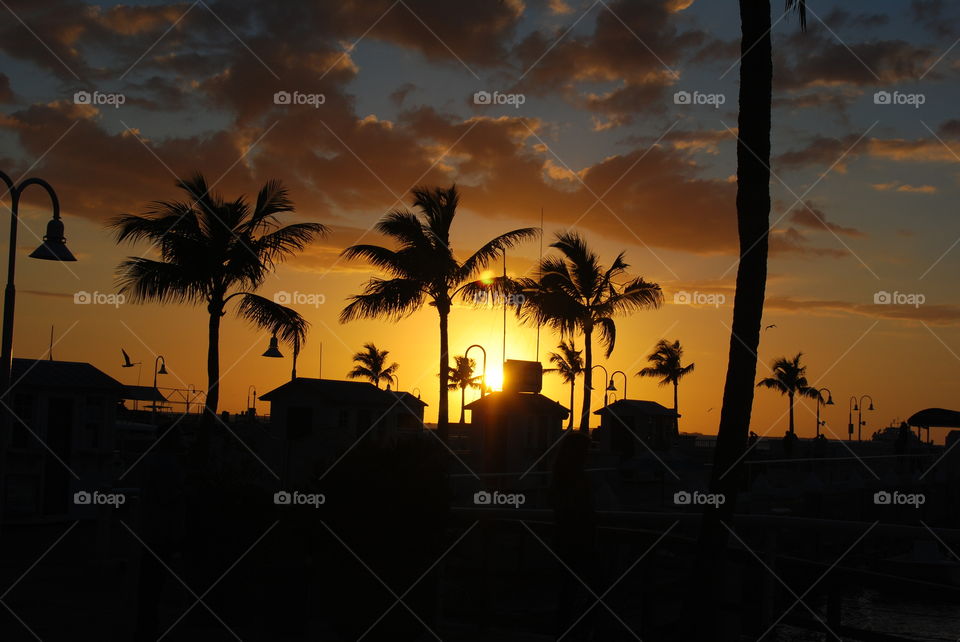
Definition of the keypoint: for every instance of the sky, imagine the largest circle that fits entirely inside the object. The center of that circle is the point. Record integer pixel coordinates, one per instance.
(616, 119)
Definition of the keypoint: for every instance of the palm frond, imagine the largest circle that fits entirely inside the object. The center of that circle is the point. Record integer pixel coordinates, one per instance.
(392, 299)
(289, 326)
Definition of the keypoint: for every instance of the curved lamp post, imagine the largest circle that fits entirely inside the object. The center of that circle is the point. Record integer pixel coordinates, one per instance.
(254, 398)
(395, 380)
(860, 414)
(606, 377)
(162, 370)
(821, 402)
(54, 248)
(613, 388)
(483, 379)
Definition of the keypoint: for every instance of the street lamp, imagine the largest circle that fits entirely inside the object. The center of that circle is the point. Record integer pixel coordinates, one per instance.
(606, 377)
(860, 414)
(254, 406)
(54, 248)
(273, 351)
(612, 388)
(820, 401)
(483, 380)
(162, 370)
(850, 408)
(395, 380)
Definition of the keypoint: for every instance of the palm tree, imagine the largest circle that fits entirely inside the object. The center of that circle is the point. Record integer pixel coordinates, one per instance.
(461, 376)
(424, 268)
(753, 222)
(569, 365)
(790, 379)
(575, 294)
(212, 251)
(666, 363)
(372, 365)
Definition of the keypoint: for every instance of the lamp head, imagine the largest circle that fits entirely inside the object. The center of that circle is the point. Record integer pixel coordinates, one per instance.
(829, 401)
(54, 247)
(274, 350)
(611, 387)
(871, 406)
(163, 368)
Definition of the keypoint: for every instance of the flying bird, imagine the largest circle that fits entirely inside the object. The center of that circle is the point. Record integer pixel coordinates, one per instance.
(770, 326)
(126, 360)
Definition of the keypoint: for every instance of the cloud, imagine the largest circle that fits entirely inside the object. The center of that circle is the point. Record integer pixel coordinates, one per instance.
(933, 314)
(910, 189)
(812, 217)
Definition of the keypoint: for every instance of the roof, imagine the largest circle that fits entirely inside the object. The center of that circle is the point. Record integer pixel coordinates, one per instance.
(636, 407)
(335, 391)
(407, 398)
(142, 393)
(935, 418)
(64, 375)
(532, 400)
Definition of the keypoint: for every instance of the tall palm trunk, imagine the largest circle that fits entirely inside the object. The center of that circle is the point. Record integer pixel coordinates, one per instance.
(587, 380)
(790, 398)
(753, 214)
(573, 385)
(444, 404)
(676, 409)
(213, 358)
(463, 403)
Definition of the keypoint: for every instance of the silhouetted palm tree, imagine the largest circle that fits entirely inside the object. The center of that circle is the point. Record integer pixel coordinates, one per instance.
(753, 222)
(462, 377)
(424, 268)
(575, 294)
(372, 365)
(212, 251)
(789, 378)
(569, 365)
(666, 363)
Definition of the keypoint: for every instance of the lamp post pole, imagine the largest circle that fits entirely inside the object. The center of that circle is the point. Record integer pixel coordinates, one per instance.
(614, 374)
(606, 377)
(162, 363)
(828, 402)
(860, 415)
(483, 383)
(53, 248)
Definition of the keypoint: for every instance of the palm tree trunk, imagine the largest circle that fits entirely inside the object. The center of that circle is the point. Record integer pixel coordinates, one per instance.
(790, 398)
(443, 405)
(753, 217)
(573, 385)
(676, 410)
(213, 359)
(463, 404)
(587, 381)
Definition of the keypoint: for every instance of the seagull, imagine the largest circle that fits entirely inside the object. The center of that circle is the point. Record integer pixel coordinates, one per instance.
(770, 326)
(126, 360)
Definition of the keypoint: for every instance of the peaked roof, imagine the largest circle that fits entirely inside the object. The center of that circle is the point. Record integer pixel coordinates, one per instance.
(337, 391)
(77, 375)
(142, 393)
(534, 400)
(636, 407)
